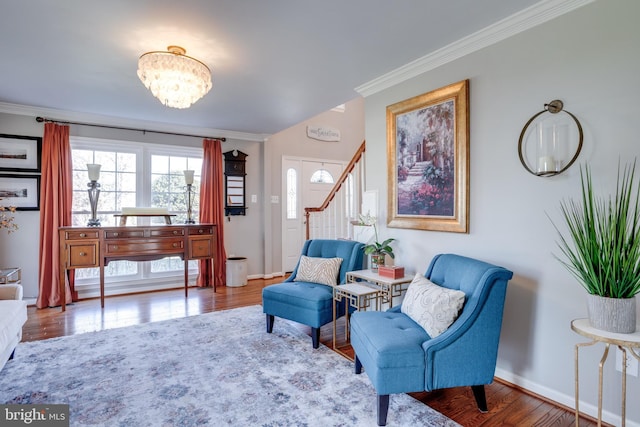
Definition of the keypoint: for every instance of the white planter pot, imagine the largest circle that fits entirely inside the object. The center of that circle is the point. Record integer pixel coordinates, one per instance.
(612, 314)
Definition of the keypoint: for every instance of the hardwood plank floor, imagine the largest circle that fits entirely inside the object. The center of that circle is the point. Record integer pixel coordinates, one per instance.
(508, 405)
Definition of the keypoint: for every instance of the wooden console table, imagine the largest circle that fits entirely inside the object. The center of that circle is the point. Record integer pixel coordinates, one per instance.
(90, 247)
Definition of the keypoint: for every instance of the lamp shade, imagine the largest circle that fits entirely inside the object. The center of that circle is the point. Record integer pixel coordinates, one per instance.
(94, 171)
(188, 177)
(177, 80)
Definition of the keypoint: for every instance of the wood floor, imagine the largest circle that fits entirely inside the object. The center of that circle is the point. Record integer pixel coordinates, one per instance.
(508, 405)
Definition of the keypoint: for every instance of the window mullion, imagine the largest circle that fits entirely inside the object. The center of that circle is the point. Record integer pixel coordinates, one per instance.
(144, 198)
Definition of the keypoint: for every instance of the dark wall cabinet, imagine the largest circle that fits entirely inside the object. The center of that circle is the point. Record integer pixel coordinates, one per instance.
(235, 163)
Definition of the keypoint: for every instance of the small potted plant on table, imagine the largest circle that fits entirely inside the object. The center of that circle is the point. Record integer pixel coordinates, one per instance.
(377, 250)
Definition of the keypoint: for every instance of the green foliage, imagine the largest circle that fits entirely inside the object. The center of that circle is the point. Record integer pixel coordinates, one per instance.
(602, 247)
(376, 248)
(383, 248)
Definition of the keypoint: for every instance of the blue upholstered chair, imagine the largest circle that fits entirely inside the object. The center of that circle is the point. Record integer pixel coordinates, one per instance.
(400, 357)
(307, 302)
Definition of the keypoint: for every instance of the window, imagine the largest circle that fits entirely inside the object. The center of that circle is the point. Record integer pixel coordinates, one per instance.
(117, 183)
(292, 194)
(322, 176)
(134, 174)
(168, 186)
(350, 208)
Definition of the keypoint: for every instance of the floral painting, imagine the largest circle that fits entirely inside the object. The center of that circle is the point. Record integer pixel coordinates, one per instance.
(425, 154)
(428, 161)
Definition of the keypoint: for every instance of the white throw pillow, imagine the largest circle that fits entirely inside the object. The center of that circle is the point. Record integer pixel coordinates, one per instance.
(318, 270)
(431, 306)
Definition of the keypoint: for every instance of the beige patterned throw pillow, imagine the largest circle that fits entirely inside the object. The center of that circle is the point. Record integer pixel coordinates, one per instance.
(431, 306)
(318, 270)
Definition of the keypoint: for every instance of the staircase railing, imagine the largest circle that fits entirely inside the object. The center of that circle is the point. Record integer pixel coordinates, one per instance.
(334, 219)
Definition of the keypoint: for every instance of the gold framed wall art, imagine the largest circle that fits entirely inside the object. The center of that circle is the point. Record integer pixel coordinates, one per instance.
(428, 160)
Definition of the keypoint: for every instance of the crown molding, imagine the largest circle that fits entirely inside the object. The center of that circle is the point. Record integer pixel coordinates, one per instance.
(72, 116)
(533, 16)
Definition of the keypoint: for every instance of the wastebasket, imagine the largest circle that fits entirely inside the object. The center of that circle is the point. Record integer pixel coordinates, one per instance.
(236, 271)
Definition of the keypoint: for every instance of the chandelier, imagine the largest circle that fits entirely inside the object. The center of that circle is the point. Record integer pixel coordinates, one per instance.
(175, 79)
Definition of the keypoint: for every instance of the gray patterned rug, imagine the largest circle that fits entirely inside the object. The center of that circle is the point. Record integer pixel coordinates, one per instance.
(214, 369)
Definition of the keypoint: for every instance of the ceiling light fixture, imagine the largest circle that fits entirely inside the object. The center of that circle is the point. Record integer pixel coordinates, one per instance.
(176, 79)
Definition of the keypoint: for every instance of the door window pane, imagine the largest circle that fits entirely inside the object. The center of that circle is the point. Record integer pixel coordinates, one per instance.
(292, 194)
(322, 176)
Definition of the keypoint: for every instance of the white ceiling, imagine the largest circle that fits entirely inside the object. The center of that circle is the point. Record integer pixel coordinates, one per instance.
(275, 63)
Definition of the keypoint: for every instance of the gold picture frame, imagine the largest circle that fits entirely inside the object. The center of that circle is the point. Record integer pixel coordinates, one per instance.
(428, 160)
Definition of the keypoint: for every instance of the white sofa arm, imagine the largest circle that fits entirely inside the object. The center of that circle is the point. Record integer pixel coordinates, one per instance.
(11, 291)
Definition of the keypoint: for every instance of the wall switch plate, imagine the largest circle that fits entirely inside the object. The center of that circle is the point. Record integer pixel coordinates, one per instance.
(254, 198)
(275, 199)
(632, 363)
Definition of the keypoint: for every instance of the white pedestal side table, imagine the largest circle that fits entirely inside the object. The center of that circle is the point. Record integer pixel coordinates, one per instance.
(624, 342)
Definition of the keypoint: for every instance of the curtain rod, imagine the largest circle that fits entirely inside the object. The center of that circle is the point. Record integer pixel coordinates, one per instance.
(47, 120)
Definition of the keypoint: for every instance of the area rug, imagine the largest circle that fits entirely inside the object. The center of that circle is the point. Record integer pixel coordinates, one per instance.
(215, 369)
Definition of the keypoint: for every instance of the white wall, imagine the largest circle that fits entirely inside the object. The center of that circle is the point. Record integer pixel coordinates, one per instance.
(294, 142)
(589, 59)
(20, 248)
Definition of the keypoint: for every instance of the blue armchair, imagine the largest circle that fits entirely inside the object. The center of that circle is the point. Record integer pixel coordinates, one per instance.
(400, 357)
(308, 302)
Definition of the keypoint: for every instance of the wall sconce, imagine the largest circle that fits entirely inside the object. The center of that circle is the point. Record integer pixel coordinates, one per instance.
(94, 193)
(547, 141)
(188, 195)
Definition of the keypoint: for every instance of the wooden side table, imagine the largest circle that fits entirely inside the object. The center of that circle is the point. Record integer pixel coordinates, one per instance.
(624, 342)
(389, 288)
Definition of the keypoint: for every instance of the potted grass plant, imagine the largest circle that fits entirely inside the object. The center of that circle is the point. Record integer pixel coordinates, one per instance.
(602, 249)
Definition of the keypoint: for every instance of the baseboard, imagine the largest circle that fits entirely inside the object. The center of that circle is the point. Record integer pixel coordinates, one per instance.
(560, 399)
(267, 276)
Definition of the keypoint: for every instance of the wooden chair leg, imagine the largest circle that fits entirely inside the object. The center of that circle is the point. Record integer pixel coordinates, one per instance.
(481, 398)
(383, 408)
(270, 319)
(315, 337)
(358, 365)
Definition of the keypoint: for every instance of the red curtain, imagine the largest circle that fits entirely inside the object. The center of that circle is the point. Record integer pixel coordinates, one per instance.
(212, 211)
(55, 211)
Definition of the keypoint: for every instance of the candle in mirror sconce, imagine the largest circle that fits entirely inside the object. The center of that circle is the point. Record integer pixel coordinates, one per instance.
(548, 144)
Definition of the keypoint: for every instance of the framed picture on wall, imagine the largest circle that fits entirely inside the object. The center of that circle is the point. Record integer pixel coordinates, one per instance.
(428, 160)
(20, 153)
(21, 191)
